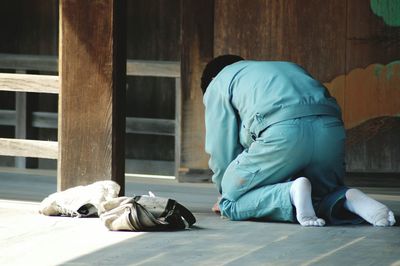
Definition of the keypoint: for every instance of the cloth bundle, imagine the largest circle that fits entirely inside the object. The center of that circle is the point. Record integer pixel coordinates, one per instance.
(138, 213)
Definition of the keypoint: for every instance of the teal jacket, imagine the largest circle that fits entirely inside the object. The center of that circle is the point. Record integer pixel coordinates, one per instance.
(247, 97)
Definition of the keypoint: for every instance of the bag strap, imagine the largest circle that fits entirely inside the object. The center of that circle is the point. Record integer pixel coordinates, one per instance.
(184, 213)
(168, 209)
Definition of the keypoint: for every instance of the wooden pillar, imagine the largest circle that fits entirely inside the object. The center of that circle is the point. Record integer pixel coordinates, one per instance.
(92, 68)
(197, 50)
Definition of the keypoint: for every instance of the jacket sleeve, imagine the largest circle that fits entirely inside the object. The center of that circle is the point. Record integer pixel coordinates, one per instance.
(222, 136)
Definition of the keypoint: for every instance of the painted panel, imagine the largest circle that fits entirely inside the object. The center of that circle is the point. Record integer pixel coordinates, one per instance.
(388, 10)
(370, 92)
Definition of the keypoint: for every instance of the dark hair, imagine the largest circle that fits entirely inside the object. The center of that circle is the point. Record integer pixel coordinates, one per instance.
(215, 66)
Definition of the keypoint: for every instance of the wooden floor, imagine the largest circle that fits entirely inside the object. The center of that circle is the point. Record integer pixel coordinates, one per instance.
(27, 238)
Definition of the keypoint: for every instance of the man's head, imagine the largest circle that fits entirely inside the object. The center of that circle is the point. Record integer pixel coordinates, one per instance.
(215, 66)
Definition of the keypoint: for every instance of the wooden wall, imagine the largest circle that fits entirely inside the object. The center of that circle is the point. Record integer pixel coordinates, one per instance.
(153, 34)
(352, 46)
(197, 50)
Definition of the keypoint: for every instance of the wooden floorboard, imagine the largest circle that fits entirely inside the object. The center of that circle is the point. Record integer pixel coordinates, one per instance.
(212, 241)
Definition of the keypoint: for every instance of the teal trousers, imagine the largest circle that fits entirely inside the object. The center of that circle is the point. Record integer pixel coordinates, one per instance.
(257, 183)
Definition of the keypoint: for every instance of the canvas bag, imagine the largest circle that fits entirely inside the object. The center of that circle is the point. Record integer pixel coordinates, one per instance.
(145, 213)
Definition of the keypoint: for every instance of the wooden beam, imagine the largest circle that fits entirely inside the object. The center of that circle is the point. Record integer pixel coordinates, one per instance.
(151, 126)
(49, 63)
(7, 117)
(197, 50)
(92, 69)
(29, 148)
(29, 83)
(44, 120)
(153, 68)
(137, 125)
(28, 62)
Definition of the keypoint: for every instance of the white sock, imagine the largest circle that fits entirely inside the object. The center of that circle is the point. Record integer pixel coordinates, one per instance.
(300, 195)
(369, 209)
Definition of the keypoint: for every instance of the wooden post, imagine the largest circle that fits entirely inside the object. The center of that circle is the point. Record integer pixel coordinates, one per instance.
(178, 122)
(197, 50)
(92, 68)
(21, 122)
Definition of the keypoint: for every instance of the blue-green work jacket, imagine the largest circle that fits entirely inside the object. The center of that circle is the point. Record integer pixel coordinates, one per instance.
(246, 97)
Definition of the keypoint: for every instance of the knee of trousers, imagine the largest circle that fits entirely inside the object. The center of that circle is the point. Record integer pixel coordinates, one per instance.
(233, 193)
(237, 181)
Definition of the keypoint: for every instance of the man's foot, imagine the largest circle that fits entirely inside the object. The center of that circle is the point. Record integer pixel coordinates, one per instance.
(300, 195)
(369, 209)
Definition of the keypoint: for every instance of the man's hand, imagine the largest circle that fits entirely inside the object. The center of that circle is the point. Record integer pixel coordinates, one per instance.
(215, 208)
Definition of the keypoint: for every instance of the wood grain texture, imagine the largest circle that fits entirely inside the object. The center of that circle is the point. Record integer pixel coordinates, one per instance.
(310, 33)
(243, 28)
(29, 83)
(91, 103)
(197, 50)
(367, 148)
(28, 148)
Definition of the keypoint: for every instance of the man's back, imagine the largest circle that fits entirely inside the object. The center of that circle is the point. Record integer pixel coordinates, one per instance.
(265, 87)
(265, 92)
